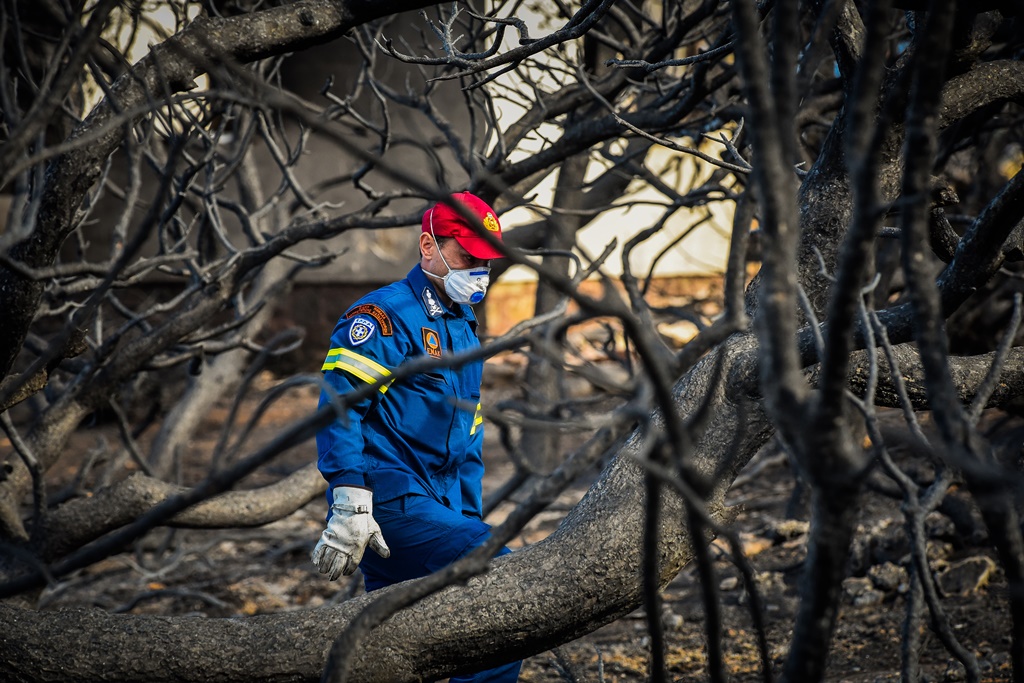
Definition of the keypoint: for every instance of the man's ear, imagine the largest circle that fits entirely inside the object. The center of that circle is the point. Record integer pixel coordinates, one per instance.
(426, 244)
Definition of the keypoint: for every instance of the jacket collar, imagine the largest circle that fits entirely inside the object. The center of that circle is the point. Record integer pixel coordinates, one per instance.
(423, 289)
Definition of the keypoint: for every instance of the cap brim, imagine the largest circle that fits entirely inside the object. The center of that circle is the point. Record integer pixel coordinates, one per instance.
(478, 247)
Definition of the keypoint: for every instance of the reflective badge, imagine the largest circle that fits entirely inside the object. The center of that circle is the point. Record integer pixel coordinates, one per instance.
(360, 330)
(491, 223)
(433, 307)
(431, 343)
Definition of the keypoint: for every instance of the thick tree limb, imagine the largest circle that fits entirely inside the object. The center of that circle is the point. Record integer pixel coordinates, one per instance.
(968, 374)
(983, 85)
(25, 389)
(82, 520)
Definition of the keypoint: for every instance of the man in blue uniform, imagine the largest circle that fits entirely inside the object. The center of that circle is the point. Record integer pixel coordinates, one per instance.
(404, 467)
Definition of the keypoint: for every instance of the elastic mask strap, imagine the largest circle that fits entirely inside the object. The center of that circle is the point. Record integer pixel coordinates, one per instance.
(436, 245)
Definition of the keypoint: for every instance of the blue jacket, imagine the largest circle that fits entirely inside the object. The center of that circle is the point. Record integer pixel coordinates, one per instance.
(422, 433)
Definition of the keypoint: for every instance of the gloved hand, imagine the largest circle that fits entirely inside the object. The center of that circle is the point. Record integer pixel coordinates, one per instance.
(350, 529)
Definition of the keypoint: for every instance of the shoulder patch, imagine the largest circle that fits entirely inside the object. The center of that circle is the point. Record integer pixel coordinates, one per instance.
(361, 329)
(375, 312)
(431, 342)
(431, 302)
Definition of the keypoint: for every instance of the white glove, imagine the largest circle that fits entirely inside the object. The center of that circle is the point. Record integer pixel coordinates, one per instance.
(349, 530)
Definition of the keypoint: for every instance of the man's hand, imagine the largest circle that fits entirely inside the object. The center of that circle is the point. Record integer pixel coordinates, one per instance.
(349, 530)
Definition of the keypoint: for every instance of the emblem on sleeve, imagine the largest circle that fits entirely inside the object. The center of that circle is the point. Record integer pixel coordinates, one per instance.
(375, 312)
(433, 307)
(360, 330)
(431, 343)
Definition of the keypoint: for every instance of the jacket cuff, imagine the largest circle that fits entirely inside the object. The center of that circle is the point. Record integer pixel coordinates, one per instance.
(355, 480)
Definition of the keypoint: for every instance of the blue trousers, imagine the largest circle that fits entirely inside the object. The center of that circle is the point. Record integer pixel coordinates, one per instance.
(425, 536)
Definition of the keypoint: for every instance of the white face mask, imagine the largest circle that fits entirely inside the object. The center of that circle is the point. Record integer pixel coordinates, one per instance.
(466, 286)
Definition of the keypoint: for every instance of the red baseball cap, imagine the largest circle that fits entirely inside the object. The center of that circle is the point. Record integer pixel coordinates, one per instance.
(443, 221)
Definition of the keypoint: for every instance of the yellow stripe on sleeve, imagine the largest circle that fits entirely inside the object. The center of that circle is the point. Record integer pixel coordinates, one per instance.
(366, 369)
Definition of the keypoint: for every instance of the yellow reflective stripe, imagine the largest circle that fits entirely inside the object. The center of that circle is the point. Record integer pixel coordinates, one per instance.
(362, 367)
(478, 419)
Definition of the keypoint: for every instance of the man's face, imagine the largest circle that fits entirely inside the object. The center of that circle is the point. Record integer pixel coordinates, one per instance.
(454, 255)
